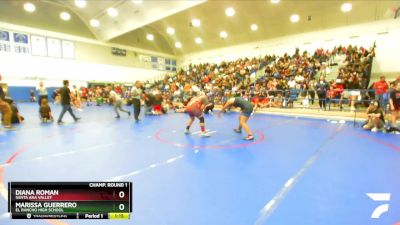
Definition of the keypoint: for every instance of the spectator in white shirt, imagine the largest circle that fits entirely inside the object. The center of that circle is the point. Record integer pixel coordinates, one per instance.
(136, 95)
(42, 92)
(117, 100)
(292, 83)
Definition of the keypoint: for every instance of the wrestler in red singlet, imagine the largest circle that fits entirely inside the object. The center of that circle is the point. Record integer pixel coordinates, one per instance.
(195, 109)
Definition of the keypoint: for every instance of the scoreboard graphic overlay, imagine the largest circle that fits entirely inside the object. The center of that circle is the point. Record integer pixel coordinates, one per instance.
(70, 200)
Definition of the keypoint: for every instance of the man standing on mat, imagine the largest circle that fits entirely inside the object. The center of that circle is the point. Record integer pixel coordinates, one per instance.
(195, 109)
(66, 102)
(117, 100)
(246, 108)
(136, 95)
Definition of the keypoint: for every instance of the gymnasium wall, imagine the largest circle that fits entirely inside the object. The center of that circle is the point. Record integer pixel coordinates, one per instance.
(15, 68)
(386, 33)
(28, 70)
(93, 62)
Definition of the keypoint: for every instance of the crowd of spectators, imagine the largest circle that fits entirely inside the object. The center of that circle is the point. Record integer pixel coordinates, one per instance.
(301, 77)
(335, 77)
(283, 80)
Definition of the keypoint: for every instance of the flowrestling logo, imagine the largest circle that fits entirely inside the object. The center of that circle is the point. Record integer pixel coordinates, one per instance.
(384, 198)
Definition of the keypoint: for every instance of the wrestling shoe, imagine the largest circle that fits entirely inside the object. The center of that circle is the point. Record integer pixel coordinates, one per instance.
(239, 131)
(9, 128)
(205, 134)
(249, 138)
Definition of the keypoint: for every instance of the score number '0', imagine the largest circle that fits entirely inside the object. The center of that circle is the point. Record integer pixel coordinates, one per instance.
(121, 195)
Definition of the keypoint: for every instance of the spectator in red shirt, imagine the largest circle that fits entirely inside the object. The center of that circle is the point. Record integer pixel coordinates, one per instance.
(338, 88)
(381, 87)
(256, 102)
(206, 79)
(334, 94)
(84, 94)
(264, 102)
(118, 89)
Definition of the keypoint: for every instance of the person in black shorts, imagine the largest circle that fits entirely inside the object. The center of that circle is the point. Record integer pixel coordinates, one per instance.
(394, 102)
(45, 111)
(32, 95)
(16, 117)
(246, 108)
(375, 117)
